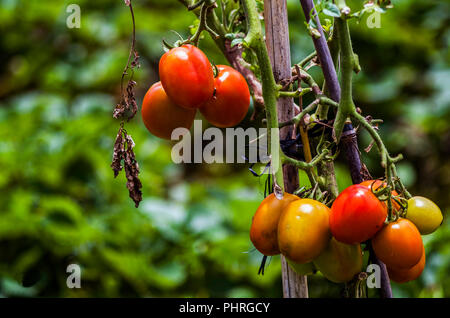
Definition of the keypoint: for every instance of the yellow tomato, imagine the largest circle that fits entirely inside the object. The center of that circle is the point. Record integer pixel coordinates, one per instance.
(303, 230)
(424, 214)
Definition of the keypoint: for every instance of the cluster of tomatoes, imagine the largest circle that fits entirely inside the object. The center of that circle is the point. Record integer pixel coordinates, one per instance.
(187, 84)
(314, 237)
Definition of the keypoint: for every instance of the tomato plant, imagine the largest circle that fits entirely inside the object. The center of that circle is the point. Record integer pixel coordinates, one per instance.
(161, 115)
(303, 230)
(398, 244)
(263, 231)
(356, 215)
(425, 214)
(187, 76)
(231, 99)
(307, 137)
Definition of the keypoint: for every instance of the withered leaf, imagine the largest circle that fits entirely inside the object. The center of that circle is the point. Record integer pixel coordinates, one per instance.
(134, 185)
(123, 151)
(118, 155)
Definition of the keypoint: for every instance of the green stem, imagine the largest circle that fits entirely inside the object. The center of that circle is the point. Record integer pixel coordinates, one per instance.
(305, 61)
(255, 40)
(297, 93)
(346, 105)
(321, 100)
(202, 25)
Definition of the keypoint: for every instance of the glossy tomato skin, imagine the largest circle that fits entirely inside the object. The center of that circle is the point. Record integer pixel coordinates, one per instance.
(187, 76)
(161, 115)
(398, 244)
(425, 214)
(339, 262)
(303, 230)
(406, 275)
(375, 185)
(263, 231)
(231, 99)
(356, 215)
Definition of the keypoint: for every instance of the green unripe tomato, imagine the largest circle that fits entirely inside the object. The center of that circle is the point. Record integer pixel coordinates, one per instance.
(340, 262)
(425, 214)
(302, 269)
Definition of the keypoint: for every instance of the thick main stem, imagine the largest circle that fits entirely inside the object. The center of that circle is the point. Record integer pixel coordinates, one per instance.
(277, 42)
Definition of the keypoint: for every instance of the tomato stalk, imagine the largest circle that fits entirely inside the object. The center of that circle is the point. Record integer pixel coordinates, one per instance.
(255, 41)
(206, 7)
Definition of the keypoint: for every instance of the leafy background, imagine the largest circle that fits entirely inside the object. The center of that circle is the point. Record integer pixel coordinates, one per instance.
(60, 203)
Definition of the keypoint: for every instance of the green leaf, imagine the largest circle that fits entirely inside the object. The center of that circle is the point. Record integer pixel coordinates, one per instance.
(331, 10)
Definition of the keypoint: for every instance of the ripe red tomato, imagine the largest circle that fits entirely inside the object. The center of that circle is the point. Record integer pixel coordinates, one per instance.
(406, 275)
(375, 184)
(187, 76)
(303, 230)
(356, 215)
(161, 115)
(263, 232)
(398, 244)
(231, 100)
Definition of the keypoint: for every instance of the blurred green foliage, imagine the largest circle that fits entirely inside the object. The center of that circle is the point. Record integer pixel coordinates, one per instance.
(60, 203)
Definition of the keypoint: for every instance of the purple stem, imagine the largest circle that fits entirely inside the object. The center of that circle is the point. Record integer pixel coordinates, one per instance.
(323, 53)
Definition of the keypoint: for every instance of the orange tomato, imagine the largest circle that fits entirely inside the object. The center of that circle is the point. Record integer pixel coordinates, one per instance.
(375, 185)
(398, 244)
(263, 231)
(406, 275)
(161, 115)
(303, 230)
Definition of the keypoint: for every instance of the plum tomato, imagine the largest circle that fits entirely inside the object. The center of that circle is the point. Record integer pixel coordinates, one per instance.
(187, 76)
(398, 244)
(161, 115)
(339, 262)
(406, 275)
(356, 215)
(303, 230)
(425, 214)
(263, 231)
(231, 99)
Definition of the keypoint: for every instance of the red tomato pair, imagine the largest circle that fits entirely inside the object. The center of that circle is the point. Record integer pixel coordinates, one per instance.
(187, 82)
